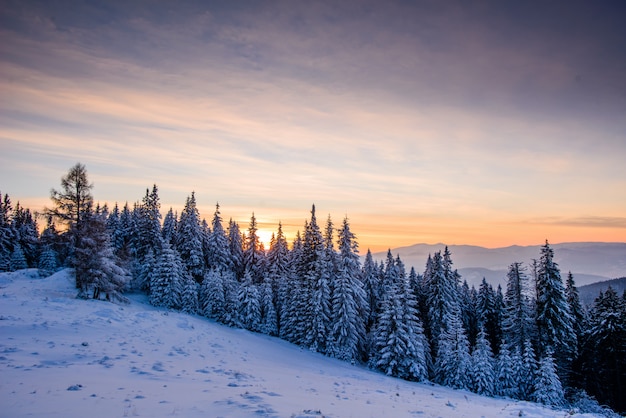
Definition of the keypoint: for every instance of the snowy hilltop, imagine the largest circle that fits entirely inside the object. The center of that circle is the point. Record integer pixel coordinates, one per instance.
(66, 357)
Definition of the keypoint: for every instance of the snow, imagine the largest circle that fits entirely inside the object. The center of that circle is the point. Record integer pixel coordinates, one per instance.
(66, 357)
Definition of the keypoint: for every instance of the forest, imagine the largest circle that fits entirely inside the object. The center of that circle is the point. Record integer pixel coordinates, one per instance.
(533, 340)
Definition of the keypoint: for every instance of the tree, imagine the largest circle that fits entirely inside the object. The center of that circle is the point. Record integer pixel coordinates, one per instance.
(253, 253)
(249, 304)
(505, 377)
(482, 366)
(371, 286)
(218, 255)
(453, 364)
(18, 259)
(604, 351)
(189, 239)
(349, 307)
(95, 261)
(6, 232)
(269, 318)
(170, 225)
(168, 279)
(548, 389)
(517, 321)
(148, 227)
(73, 207)
(554, 321)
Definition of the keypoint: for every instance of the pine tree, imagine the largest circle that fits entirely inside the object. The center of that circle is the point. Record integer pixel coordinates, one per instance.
(48, 261)
(148, 225)
(372, 288)
(18, 259)
(170, 225)
(517, 321)
(482, 366)
(95, 261)
(25, 232)
(189, 239)
(249, 304)
(279, 272)
(452, 365)
(554, 321)
(505, 376)
(526, 372)
(220, 248)
(6, 232)
(189, 295)
(442, 296)
(399, 347)
(548, 389)
(349, 307)
(235, 246)
(269, 317)
(253, 254)
(605, 349)
(213, 295)
(167, 281)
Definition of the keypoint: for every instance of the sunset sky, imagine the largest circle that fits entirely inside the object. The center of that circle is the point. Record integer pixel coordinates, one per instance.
(490, 123)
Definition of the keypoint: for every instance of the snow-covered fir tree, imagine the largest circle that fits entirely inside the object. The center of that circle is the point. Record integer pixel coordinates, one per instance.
(218, 254)
(167, 279)
(95, 261)
(548, 388)
(189, 239)
(482, 366)
(235, 246)
(517, 318)
(6, 232)
(148, 224)
(269, 317)
(253, 253)
(18, 259)
(48, 261)
(279, 271)
(453, 362)
(189, 302)
(399, 347)
(349, 308)
(372, 288)
(249, 303)
(554, 321)
(505, 383)
(170, 225)
(526, 370)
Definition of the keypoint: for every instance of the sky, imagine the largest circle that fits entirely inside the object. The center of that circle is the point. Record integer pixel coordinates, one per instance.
(490, 123)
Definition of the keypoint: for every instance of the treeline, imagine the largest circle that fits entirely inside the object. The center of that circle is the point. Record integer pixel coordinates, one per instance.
(534, 341)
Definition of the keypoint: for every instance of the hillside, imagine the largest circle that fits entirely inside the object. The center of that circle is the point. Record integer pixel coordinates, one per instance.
(590, 292)
(589, 261)
(65, 357)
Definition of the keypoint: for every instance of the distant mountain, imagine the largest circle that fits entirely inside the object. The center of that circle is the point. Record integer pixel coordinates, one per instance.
(589, 262)
(590, 292)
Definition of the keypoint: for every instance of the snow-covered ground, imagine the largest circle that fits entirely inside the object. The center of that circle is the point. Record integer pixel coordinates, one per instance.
(65, 357)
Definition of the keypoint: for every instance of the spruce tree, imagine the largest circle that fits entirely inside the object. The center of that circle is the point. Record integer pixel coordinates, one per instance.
(18, 259)
(554, 321)
(372, 288)
(505, 383)
(452, 365)
(219, 254)
(6, 232)
(253, 254)
(349, 307)
(189, 239)
(269, 317)
(548, 389)
(482, 366)
(95, 261)
(168, 279)
(249, 304)
(517, 321)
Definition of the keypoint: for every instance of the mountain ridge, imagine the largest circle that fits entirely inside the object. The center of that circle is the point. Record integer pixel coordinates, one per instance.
(588, 261)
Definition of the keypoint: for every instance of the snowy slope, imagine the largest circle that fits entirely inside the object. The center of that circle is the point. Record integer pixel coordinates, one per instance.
(65, 357)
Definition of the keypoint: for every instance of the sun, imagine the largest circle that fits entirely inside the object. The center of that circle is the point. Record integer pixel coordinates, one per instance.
(265, 236)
